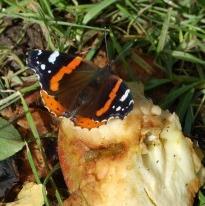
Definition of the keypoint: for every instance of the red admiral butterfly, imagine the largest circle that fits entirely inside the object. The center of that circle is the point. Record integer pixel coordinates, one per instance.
(79, 90)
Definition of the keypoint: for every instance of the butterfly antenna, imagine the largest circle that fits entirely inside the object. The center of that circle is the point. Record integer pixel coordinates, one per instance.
(107, 54)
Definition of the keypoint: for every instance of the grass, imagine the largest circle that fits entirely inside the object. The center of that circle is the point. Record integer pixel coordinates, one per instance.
(40, 146)
(171, 33)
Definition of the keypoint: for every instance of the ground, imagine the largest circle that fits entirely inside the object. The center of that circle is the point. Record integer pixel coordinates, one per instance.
(160, 43)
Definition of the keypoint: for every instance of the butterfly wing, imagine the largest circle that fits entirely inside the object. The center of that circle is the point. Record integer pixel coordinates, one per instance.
(110, 98)
(78, 89)
(62, 77)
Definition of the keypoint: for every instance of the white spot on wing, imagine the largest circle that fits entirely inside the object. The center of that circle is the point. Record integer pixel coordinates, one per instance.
(53, 56)
(118, 108)
(49, 71)
(39, 52)
(131, 102)
(43, 66)
(113, 106)
(125, 95)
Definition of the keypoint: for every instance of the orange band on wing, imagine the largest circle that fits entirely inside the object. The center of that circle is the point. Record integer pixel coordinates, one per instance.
(85, 122)
(51, 104)
(54, 82)
(112, 96)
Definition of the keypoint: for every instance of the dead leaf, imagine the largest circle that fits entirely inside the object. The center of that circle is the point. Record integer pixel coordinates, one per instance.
(30, 195)
(141, 65)
(25, 171)
(9, 176)
(32, 98)
(42, 121)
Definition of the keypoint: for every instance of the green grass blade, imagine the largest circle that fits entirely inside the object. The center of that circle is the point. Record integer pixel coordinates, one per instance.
(93, 50)
(142, 63)
(125, 12)
(96, 10)
(51, 22)
(32, 164)
(31, 122)
(9, 100)
(121, 53)
(14, 5)
(2, 94)
(35, 173)
(55, 168)
(153, 83)
(175, 93)
(47, 7)
(187, 57)
(59, 198)
(126, 48)
(201, 195)
(189, 119)
(164, 32)
(15, 96)
(184, 103)
(37, 139)
(200, 106)
(184, 78)
(49, 177)
(91, 54)
(131, 5)
(117, 47)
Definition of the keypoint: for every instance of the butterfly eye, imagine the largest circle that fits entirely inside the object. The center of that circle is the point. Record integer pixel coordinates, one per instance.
(66, 114)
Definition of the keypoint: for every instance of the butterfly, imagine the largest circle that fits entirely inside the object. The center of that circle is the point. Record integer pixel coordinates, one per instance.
(77, 89)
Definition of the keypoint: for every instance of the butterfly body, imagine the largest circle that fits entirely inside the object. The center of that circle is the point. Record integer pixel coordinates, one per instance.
(79, 90)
